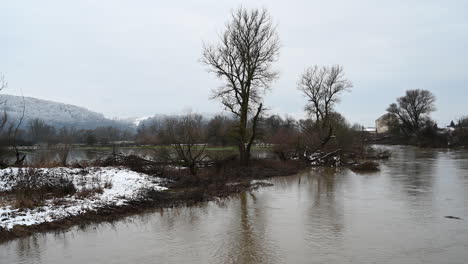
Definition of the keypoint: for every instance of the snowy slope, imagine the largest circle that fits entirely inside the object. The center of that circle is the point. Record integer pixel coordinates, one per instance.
(54, 113)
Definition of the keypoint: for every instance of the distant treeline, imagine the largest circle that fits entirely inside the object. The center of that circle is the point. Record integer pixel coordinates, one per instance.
(219, 130)
(39, 132)
(409, 121)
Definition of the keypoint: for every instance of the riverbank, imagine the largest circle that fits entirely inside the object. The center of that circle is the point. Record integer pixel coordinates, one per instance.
(115, 189)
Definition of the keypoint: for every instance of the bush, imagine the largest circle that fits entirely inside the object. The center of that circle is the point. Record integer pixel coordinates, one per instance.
(133, 162)
(86, 193)
(341, 136)
(430, 136)
(33, 187)
(459, 137)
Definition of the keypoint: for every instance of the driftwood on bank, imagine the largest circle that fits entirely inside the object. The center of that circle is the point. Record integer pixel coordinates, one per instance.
(330, 158)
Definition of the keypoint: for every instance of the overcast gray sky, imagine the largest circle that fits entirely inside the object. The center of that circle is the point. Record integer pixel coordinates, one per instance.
(138, 58)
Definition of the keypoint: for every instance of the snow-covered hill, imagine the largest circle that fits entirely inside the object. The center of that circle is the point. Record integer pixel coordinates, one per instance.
(54, 113)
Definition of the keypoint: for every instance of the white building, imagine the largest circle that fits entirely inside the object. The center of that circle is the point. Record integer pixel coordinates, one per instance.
(381, 123)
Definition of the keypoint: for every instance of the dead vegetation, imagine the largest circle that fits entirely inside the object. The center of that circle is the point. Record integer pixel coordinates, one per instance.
(88, 192)
(33, 187)
(133, 162)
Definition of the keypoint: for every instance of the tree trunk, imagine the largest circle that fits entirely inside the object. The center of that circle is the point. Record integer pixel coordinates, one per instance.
(254, 132)
(243, 155)
(327, 138)
(243, 152)
(193, 169)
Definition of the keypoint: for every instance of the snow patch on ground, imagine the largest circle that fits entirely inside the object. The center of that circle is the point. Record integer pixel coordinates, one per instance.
(123, 185)
(253, 182)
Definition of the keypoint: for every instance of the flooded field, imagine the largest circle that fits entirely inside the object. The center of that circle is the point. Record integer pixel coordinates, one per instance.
(78, 154)
(397, 215)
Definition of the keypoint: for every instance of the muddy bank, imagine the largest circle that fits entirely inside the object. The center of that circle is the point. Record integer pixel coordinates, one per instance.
(112, 213)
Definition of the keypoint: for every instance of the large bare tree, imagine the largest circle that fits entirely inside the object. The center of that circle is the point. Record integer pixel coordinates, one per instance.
(323, 86)
(413, 109)
(243, 59)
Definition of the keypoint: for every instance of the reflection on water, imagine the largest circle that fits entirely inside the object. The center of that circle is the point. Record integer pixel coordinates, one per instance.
(247, 242)
(318, 216)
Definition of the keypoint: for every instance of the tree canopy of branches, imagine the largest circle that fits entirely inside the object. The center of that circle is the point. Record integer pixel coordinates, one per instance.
(323, 86)
(40, 132)
(218, 130)
(188, 137)
(243, 60)
(412, 110)
(462, 122)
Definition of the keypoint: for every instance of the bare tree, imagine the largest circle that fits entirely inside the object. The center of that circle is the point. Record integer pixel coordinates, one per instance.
(218, 130)
(66, 145)
(13, 130)
(3, 122)
(412, 110)
(13, 136)
(4, 117)
(3, 82)
(243, 59)
(462, 122)
(188, 135)
(323, 86)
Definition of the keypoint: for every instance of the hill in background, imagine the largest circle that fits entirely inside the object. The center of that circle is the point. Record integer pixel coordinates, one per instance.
(57, 114)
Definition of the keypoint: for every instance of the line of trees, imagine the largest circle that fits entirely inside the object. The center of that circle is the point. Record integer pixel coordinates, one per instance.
(221, 130)
(39, 132)
(459, 136)
(409, 122)
(289, 138)
(160, 131)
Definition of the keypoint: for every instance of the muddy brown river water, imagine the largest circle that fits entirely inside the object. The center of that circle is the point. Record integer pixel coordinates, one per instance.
(396, 215)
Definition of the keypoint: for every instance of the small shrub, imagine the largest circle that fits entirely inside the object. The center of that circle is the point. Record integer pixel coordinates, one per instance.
(108, 185)
(23, 202)
(133, 162)
(34, 186)
(59, 201)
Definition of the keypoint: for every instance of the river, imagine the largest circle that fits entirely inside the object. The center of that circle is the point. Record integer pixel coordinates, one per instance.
(396, 215)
